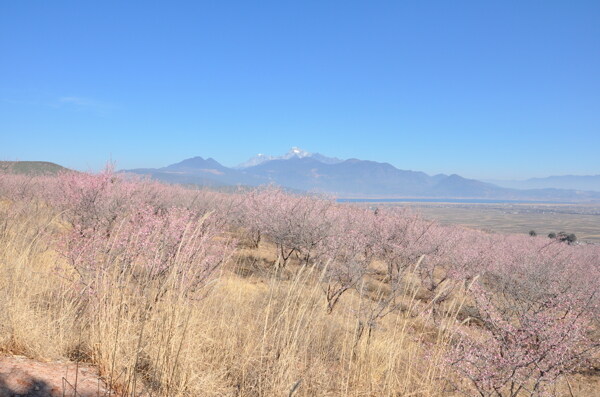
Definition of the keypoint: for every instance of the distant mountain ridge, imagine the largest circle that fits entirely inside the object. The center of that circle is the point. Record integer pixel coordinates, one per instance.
(575, 182)
(304, 171)
(198, 171)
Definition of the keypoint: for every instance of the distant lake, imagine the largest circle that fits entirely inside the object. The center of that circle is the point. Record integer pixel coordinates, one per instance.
(442, 200)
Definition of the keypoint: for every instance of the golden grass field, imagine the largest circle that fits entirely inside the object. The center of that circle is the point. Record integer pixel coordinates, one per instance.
(254, 332)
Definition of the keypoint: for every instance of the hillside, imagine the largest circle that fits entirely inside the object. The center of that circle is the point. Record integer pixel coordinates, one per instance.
(158, 290)
(31, 167)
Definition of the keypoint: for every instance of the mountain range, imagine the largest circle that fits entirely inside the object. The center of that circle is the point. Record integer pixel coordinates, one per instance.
(576, 182)
(351, 178)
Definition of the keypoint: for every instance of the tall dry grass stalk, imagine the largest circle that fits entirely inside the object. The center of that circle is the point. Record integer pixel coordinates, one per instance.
(263, 334)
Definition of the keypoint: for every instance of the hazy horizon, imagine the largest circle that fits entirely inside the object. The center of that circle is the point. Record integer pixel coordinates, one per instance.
(157, 164)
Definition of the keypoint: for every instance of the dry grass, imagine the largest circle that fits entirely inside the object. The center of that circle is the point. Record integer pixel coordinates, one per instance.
(252, 331)
(255, 332)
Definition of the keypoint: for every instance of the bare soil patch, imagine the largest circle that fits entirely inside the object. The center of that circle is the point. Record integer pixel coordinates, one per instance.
(21, 376)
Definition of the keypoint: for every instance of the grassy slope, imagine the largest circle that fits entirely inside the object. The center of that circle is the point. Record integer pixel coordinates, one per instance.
(255, 332)
(31, 167)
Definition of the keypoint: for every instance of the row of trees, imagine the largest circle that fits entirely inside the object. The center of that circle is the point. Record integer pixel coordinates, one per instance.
(564, 237)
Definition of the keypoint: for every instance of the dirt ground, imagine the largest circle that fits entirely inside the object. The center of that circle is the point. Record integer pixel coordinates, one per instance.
(20, 376)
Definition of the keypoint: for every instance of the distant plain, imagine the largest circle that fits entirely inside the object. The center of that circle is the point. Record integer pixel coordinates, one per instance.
(581, 219)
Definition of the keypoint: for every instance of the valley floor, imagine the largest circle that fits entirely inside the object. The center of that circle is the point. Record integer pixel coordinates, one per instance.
(583, 220)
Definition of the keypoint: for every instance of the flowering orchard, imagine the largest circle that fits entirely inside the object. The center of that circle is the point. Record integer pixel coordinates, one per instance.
(532, 302)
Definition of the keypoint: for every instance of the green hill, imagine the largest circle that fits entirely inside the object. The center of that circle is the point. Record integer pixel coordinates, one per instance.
(31, 167)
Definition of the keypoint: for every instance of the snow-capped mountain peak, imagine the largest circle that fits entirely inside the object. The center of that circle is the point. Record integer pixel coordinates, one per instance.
(294, 152)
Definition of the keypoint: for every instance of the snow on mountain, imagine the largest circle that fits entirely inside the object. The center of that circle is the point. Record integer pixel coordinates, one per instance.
(256, 160)
(294, 152)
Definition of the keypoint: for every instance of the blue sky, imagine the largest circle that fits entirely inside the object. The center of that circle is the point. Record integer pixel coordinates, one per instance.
(483, 89)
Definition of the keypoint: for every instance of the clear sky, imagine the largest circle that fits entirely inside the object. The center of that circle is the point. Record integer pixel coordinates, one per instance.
(504, 89)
